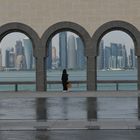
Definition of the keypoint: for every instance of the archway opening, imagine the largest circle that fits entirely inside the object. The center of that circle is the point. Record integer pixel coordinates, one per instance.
(66, 51)
(116, 62)
(17, 64)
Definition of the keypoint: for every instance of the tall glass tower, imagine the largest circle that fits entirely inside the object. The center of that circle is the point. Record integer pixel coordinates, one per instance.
(0, 59)
(49, 56)
(28, 53)
(63, 50)
(80, 54)
(114, 54)
(107, 57)
(100, 58)
(71, 53)
(7, 51)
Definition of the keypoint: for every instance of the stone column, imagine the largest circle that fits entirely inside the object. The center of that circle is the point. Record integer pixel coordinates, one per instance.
(40, 74)
(41, 113)
(138, 63)
(138, 69)
(91, 73)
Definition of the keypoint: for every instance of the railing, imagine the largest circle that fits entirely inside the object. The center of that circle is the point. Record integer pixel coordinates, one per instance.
(117, 82)
(16, 83)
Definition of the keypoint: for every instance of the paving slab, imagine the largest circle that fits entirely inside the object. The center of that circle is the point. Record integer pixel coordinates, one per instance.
(68, 124)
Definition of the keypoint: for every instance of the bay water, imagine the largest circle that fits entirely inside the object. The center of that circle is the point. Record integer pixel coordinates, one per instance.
(74, 75)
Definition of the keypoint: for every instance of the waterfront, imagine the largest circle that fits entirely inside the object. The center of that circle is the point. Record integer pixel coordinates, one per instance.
(55, 75)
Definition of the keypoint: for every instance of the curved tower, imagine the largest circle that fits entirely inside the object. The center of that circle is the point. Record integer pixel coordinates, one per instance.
(63, 49)
(28, 53)
(71, 52)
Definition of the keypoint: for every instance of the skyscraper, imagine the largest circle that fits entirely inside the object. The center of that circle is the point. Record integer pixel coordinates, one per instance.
(125, 59)
(119, 56)
(100, 58)
(20, 56)
(28, 53)
(71, 52)
(7, 51)
(114, 54)
(1, 68)
(12, 58)
(107, 57)
(63, 50)
(19, 48)
(49, 56)
(54, 58)
(132, 60)
(53, 54)
(80, 54)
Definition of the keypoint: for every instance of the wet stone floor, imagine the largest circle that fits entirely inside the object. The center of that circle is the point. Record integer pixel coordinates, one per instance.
(71, 135)
(69, 109)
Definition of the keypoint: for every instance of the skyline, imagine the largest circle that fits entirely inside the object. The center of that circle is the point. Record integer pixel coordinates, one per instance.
(9, 40)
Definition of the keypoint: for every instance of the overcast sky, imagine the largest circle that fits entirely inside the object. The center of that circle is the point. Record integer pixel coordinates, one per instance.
(9, 41)
(118, 37)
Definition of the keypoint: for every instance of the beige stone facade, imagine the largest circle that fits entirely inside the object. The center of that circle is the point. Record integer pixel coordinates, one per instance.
(90, 14)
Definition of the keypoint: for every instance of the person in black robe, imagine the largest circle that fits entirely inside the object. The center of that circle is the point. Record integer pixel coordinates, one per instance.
(64, 79)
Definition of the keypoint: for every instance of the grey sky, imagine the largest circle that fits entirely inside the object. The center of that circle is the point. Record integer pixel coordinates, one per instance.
(9, 41)
(118, 37)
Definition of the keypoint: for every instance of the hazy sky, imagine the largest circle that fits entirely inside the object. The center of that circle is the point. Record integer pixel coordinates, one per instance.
(9, 41)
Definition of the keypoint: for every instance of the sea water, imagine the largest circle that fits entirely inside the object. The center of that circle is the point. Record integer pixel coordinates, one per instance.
(74, 75)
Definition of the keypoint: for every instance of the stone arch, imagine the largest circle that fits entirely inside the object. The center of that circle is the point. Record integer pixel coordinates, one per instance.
(20, 27)
(111, 26)
(66, 26)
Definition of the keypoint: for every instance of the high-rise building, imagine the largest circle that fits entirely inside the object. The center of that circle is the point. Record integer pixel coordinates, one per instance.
(119, 56)
(132, 58)
(80, 54)
(114, 55)
(7, 51)
(100, 58)
(63, 50)
(125, 58)
(12, 58)
(107, 57)
(71, 52)
(1, 68)
(54, 58)
(20, 56)
(19, 48)
(53, 54)
(28, 50)
(49, 56)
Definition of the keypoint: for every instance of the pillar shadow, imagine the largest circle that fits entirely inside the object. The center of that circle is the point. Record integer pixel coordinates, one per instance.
(91, 108)
(41, 111)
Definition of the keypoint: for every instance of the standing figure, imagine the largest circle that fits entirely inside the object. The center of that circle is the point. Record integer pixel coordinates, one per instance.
(64, 79)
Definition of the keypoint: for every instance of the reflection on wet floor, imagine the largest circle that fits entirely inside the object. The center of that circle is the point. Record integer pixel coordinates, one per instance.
(64, 108)
(91, 108)
(71, 135)
(70, 108)
(41, 109)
